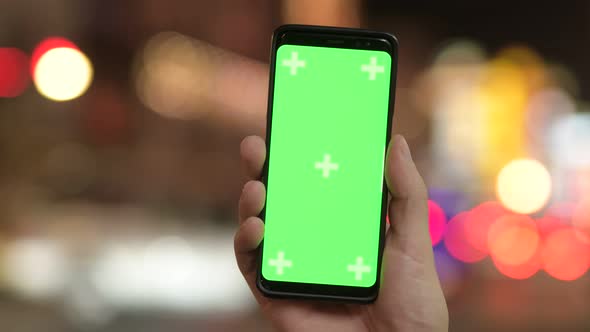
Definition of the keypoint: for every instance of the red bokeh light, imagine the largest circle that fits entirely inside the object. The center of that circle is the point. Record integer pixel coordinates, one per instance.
(513, 240)
(437, 221)
(456, 242)
(581, 216)
(47, 45)
(14, 76)
(548, 224)
(480, 219)
(566, 254)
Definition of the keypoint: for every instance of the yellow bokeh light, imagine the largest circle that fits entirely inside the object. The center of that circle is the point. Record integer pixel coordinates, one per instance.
(63, 74)
(502, 96)
(524, 186)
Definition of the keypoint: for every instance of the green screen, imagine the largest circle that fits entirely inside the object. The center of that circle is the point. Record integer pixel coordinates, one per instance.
(325, 175)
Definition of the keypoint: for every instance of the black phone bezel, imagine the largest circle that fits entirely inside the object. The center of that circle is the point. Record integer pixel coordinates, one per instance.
(339, 38)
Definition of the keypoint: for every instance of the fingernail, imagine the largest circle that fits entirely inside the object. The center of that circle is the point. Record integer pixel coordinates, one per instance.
(405, 149)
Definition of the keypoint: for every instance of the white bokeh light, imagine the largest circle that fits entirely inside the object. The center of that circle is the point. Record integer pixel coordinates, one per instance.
(524, 186)
(63, 74)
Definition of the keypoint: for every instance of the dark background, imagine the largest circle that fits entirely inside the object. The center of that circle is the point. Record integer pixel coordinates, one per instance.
(118, 215)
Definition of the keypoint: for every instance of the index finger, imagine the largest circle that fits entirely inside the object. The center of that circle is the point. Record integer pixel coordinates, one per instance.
(253, 155)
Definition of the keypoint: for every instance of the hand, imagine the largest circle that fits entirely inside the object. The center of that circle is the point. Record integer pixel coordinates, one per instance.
(410, 298)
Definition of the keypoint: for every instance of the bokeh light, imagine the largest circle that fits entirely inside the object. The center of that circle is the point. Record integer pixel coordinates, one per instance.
(547, 224)
(521, 271)
(581, 216)
(460, 52)
(566, 254)
(570, 160)
(46, 45)
(513, 240)
(502, 95)
(437, 221)
(562, 210)
(455, 240)
(524, 186)
(168, 272)
(451, 201)
(570, 140)
(174, 75)
(544, 109)
(581, 183)
(479, 221)
(456, 114)
(37, 268)
(14, 75)
(63, 74)
(529, 62)
(170, 253)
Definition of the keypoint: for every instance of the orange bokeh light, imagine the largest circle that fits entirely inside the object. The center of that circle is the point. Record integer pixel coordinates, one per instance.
(513, 240)
(521, 271)
(566, 254)
(479, 221)
(455, 240)
(548, 224)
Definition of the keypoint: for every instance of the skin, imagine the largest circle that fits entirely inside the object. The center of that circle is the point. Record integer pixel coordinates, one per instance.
(410, 298)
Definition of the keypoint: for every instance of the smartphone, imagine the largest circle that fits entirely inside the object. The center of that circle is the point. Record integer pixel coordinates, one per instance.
(330, 110)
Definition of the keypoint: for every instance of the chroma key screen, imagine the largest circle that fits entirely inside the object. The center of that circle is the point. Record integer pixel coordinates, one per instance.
(326, 164)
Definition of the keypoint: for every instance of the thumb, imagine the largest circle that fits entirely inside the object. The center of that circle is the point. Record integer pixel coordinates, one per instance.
(408, 209)
(410, 286)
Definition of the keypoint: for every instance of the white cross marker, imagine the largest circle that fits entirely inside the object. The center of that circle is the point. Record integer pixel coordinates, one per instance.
(280, 263)
(294, 63)
(326, 166)
(372, 68)
(359, 268)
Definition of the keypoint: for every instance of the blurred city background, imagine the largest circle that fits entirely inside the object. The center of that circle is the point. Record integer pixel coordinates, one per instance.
(120, 124)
